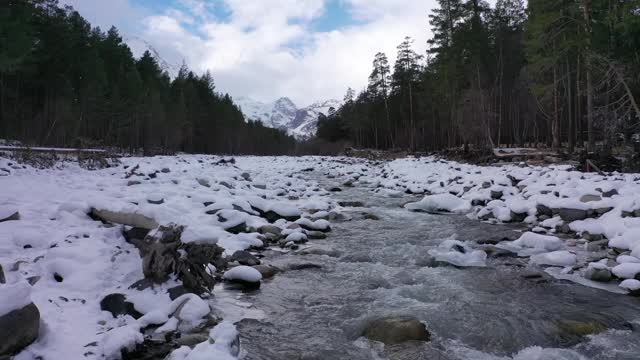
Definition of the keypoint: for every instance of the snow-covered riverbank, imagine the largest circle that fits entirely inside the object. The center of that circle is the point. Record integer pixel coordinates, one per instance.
(66, 262)
(73, 262)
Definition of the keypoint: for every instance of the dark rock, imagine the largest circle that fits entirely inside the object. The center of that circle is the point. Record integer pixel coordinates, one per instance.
(133, 182)
(335, 189)
(544, 210)
(478, 202)
(351, 203)
(18, 329)
(177, 291)
(165, 170)
(13, 217)
(610, 193)
(396, 330)
(135, 235)
(2, 278)
(155, 202)
(57, 277)
(516, 217)
(117, 305)
(245, 258)
(33, 280)
(240, 228)
(590, 198)
(495, 195)
(142, 284)
(570, 215)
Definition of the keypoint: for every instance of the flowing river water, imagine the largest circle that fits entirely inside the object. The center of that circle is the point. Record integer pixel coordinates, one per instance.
(376, 268)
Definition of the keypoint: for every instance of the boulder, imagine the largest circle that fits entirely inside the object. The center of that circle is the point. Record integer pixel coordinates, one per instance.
(2, 278)
(269, 229)
(130, 219)
(395, 330)
(18, 329)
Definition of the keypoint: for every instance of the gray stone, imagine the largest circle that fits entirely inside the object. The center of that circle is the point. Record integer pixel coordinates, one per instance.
(396, 330)
(269, 229)
(544, 210)
(246, 176)
(2, 278)
(133, 182)
(245, 258)
(203, 182)
(351, 203)
(601, 275)
(18, 329)
(495, 195)
(570, 215)
(590, 198)
(610, 193)
(267, 271)
(316, 235)
(597, 245)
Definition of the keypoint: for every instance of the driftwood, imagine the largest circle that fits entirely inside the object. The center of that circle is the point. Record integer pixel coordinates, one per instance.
(123, 218)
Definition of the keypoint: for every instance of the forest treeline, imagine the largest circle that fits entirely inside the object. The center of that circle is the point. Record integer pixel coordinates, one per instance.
(560, 73)
(66, 83)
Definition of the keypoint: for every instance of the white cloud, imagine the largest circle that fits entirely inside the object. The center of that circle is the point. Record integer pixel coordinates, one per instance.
(266, 49)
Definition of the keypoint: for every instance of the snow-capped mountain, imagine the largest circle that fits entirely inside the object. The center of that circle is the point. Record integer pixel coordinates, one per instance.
(283, 114)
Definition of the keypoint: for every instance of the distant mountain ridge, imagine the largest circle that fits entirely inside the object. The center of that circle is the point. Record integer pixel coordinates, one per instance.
(301, 123)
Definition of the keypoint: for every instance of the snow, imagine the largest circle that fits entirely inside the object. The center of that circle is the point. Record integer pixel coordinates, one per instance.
(626, 270)
(539, 242)
(555, 258)
(14, 297)
(223, 345)
(440, 202)
(630, 284)
(243, 273)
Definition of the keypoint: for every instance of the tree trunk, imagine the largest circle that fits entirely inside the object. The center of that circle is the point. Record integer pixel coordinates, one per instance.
(587, 19)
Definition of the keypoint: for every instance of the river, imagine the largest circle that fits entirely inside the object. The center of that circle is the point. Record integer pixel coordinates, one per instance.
(376, 268)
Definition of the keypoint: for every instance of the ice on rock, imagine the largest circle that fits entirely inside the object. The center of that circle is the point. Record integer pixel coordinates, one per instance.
(440, 202)
(243, 273)
(555, 258)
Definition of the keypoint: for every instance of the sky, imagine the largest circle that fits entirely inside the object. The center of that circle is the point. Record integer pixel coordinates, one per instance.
(307, 50)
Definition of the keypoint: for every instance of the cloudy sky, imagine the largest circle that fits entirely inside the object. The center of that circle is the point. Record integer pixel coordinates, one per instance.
(307, 50)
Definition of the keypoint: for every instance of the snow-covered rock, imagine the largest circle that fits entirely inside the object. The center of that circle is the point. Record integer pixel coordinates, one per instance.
(243, 274)
(440, 202)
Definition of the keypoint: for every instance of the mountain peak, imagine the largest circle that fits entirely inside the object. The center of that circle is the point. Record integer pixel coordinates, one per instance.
(284, 114)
